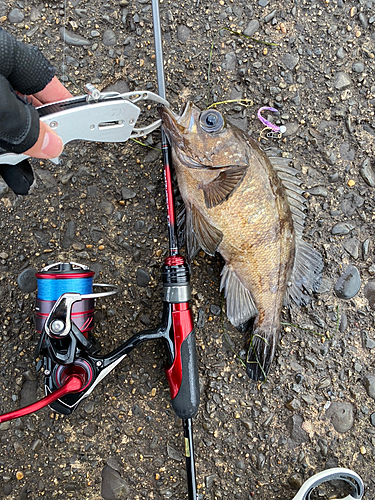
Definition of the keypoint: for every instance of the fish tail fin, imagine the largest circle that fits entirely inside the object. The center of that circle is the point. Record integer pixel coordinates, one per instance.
(261, 353)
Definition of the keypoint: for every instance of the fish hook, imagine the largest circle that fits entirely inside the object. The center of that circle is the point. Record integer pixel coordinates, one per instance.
(264, 130)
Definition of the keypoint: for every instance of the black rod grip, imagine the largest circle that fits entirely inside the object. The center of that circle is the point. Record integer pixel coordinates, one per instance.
(186, 402)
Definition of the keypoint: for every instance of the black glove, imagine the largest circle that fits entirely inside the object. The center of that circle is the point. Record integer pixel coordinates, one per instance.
(25, 69)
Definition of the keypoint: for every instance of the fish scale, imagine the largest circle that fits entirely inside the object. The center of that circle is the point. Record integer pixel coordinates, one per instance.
(250, 209)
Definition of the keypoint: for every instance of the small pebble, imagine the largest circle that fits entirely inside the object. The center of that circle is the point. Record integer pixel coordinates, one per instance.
(348, 284)
(107, 207)
(7, 489)
(142, 278)
(358, 67)
(290, 61)
(341, 53)
(318, 191)
(296, 432)
(127, 193)
(252, 27)
(201, 319)
(367, 172)
(230, 61)
(74, 39)
(369, 293)
(295, 481)
(173, 453)
(369, 383)
(342, 228)
(109, 38)
(16, 16)
(27, 280)
(293, 404)
(183, 33)
(113, 485)
(215, 310)
(341, 416)
(352, 246)
(342, 81)
(3, 8)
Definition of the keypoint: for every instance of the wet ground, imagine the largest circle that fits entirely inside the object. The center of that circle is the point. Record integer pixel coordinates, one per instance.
(104, 206)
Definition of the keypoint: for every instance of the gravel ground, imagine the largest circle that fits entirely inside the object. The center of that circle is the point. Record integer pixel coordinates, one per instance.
(104, 206)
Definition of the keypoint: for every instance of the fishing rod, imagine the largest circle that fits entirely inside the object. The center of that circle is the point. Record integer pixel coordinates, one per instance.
(190, 360)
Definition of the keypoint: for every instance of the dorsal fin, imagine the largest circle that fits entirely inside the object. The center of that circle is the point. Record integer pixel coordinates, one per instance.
(308, 263)
(291, 184)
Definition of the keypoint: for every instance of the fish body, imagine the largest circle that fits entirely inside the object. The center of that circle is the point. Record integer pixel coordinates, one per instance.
(237, 204)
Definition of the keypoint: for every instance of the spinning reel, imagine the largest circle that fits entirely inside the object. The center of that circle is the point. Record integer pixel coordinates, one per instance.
(64, 317)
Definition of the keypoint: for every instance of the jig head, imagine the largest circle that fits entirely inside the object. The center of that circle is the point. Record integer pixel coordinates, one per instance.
(275, 131)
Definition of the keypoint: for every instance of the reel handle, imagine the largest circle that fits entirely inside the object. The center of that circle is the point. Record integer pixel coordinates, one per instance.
(72, 384)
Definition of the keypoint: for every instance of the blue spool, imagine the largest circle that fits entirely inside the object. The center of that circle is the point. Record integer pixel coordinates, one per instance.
(65, 278)
(51, 289)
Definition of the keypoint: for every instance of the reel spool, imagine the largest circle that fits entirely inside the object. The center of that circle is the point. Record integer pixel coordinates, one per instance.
(68, 277)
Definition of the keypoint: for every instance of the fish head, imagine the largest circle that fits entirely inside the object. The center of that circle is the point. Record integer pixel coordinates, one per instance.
(204, 138)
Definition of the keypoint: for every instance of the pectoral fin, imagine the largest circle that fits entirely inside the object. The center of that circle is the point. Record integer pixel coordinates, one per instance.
(218, 190)
(240, 306)
(208, 236)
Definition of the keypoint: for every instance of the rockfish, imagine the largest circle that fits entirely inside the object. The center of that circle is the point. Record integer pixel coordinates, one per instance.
(249, 208)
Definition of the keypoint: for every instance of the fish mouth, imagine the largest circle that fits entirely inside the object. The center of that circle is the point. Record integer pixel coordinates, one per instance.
(176, 125)
(168, 114)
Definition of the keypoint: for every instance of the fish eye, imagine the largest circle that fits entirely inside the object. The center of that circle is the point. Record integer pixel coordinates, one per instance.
(211, 121)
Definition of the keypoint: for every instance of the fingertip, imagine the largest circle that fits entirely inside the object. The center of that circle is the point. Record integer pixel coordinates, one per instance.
(49, 144)
(52, 145)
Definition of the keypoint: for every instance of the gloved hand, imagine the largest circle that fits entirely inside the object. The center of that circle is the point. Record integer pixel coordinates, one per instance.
(24, 71)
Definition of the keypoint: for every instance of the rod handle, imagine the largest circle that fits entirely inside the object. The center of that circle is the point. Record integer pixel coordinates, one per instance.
(182, 375)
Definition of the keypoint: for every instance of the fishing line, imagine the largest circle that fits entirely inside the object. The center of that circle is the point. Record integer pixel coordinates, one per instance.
(60, 278)
(52, 285)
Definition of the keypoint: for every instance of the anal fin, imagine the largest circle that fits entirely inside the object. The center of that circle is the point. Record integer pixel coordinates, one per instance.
(240, 306)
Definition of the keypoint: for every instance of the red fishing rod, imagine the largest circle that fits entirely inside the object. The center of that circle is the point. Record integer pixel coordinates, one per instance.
(183, 372)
